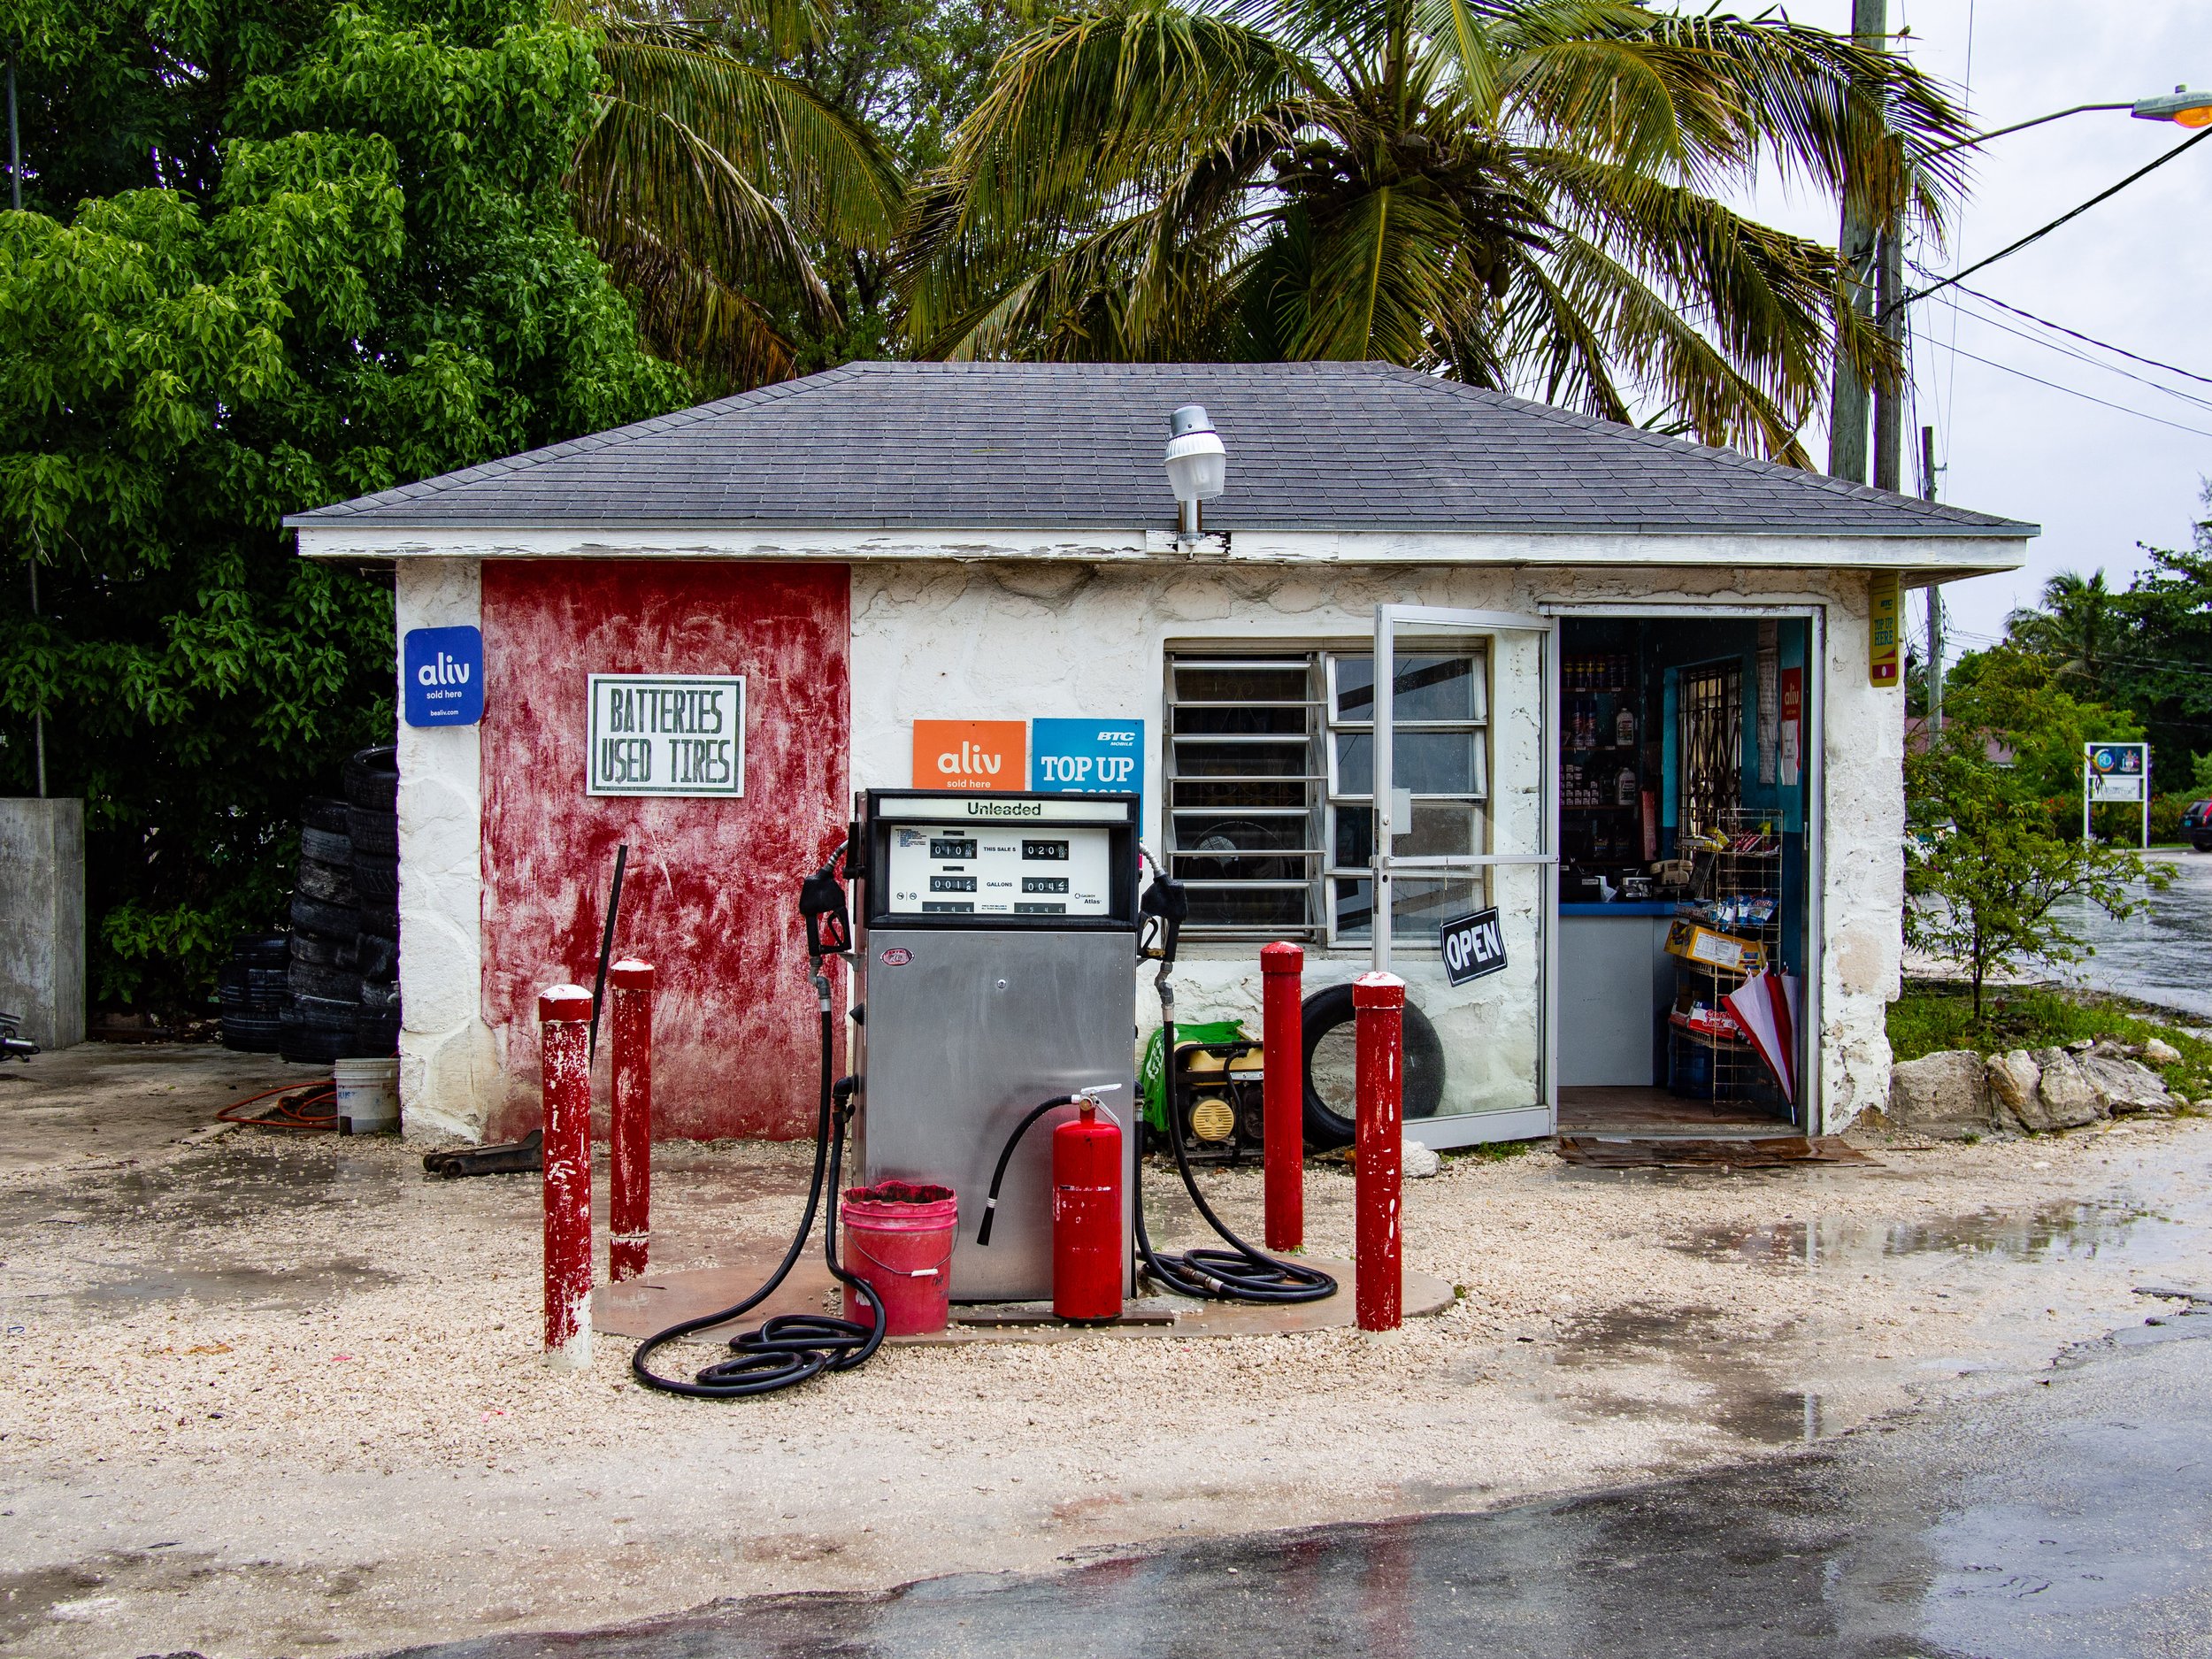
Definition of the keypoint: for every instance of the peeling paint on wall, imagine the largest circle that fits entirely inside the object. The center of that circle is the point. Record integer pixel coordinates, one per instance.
(711, 890)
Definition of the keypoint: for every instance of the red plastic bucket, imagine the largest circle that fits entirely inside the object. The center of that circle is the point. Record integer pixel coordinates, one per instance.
(898, 1238)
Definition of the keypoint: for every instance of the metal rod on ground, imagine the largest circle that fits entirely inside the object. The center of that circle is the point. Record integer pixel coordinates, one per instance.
(565, 1059)
(630, 1132)
(1935, 593)
(1282, 1034)
(606, 947)
(1379, 1004)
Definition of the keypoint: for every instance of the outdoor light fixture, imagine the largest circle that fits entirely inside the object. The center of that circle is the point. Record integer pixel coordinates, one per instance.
(1197, 465)
(2181, 106)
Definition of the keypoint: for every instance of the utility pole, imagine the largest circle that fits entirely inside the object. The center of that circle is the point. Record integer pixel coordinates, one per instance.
(15, 201)
(1935, 592)
(1848, 401)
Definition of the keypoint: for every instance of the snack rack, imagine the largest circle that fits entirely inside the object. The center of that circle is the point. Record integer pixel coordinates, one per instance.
(1740, 881)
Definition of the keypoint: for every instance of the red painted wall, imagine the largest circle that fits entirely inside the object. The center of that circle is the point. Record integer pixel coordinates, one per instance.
(711, 896)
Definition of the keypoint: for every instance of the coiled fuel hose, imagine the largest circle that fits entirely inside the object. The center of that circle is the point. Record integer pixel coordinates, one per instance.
(788, 1348)
(1240, 1273)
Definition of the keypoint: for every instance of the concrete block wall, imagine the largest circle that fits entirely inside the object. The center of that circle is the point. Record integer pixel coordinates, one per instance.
(41, 919)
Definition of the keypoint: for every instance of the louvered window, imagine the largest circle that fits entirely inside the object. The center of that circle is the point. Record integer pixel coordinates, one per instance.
(1271, 787)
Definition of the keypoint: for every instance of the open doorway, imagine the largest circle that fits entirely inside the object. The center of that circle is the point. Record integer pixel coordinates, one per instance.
(1684, 924)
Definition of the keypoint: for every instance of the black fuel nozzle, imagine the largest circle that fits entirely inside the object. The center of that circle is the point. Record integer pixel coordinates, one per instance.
(1166, 902)
(829, 925)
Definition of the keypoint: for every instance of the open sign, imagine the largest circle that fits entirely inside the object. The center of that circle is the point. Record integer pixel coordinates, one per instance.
(1473, 945)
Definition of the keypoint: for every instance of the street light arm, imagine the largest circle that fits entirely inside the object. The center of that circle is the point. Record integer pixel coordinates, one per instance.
(2020, 126)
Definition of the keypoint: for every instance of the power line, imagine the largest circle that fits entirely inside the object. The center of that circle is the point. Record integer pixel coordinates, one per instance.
(2071, 391)
(2076, 334)
(2079, 356)
(2074, 213)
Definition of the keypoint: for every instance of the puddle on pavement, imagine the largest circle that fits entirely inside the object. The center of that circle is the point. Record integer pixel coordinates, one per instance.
(2065, 1230)
(1689, 1345)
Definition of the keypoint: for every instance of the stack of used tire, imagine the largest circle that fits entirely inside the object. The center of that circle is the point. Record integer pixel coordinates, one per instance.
(324, 974)
(254, 988)
(372, 783)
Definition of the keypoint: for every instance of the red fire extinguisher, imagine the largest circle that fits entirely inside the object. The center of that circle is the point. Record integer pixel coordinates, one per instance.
(1087, 1252)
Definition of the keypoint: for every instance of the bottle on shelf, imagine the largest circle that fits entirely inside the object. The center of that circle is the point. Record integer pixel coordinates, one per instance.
(1625, 728)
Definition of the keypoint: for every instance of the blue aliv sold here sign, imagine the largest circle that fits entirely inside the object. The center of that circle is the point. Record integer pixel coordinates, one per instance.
(1087, 757)
(442, 676)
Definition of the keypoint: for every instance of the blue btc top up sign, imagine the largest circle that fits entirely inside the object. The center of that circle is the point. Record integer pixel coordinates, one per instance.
(442, 676)
(1087, 758)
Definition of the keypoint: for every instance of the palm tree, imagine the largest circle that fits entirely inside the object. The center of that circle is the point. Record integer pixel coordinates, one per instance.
(1523, 193)
(714, 184)
(2074, 628)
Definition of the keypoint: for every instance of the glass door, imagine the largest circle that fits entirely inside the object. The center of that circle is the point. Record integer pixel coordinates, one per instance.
(1459, 828)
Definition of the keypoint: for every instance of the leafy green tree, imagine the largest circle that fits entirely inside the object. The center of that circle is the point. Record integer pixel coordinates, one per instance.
(2165, 665)
(2075, 628)
(1988, 882)
(272, 257)
(2028, 706)
(1525, 194)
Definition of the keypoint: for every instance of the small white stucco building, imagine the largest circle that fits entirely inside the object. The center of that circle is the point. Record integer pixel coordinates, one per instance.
(1635, 682)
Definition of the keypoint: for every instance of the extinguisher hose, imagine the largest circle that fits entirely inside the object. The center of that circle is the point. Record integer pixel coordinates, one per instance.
(1006, 1157)
(1240, 1273)
(788, 1348)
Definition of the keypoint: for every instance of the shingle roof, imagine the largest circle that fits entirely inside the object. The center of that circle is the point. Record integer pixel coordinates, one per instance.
(1327, 447)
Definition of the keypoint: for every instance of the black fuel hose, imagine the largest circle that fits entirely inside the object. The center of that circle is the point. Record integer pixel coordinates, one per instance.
(1006, 1157)
(788, 1348)
(1240, 1273)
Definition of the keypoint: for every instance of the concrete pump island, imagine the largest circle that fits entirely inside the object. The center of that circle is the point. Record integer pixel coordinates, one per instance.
(1009, 1009)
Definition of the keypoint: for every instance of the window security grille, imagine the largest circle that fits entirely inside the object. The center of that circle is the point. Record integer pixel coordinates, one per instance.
(1270, 788)
(1711, 703)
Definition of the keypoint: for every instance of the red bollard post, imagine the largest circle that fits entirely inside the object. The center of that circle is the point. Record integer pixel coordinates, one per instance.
(1379, 1004)
(1282, 1033)
(564, 1063)
(630, 1129)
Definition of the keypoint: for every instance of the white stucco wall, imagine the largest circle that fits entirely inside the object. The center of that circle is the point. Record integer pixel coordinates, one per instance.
(969, 639)
(1013, 640)
(448, 1077)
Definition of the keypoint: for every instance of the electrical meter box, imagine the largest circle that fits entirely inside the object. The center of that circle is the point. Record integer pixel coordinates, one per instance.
(996, 936)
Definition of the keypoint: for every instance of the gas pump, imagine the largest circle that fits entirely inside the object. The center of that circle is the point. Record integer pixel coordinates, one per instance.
(997, 956)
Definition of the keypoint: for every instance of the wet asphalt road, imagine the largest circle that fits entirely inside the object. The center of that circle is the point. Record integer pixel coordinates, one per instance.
(2162, 953)
(2070, 1516)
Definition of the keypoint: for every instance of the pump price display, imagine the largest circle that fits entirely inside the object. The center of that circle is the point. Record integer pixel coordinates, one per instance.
(997, 869)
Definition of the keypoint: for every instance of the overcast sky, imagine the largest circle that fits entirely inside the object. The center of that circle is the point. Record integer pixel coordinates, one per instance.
(2133, 271)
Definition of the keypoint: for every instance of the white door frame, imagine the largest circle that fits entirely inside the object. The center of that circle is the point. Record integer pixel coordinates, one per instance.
(1811, 1061)
(1513, 1123)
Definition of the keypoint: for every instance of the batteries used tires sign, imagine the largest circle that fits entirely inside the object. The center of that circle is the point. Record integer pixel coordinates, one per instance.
(682, 734)
(1473, 946)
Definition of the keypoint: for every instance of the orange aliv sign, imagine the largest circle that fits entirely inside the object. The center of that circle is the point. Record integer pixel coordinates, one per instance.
(971, 755)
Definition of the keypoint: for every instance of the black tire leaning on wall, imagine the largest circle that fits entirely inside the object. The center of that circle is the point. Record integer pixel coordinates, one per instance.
(1330, 1008)
(371, 778)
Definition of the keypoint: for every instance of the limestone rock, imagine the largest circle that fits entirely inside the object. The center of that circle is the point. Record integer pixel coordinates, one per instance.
(2158, 1051)
(2012, 1083)
(2125, 1086)
(1945, 1095)
(1418, 1162)
(2065, 1099)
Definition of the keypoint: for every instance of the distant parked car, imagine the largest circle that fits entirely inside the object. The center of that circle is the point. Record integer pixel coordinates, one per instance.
(2196, 825)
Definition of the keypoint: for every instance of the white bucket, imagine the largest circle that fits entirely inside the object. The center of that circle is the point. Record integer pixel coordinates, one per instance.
(368, 1096)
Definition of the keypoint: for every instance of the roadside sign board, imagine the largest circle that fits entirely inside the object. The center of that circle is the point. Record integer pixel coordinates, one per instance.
(973, 755)
(2117, 771)
(1473, 946)
(675, 734)
(442, 676)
